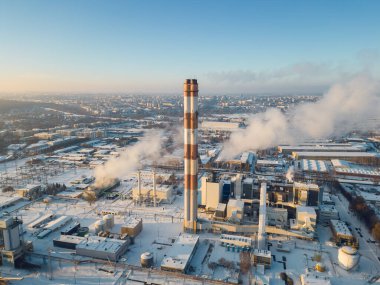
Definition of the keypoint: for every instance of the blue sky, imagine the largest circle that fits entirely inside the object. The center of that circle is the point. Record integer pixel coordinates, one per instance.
(151, 46)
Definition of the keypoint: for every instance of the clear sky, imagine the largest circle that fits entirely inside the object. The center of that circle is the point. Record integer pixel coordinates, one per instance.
(152, 46)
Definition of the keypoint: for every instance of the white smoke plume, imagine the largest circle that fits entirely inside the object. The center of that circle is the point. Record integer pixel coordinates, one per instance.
(290, 174)
(131, 159)
(354, 104)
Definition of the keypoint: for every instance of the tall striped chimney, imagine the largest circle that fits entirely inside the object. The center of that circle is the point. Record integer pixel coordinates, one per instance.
(190, 120)
(261, 235)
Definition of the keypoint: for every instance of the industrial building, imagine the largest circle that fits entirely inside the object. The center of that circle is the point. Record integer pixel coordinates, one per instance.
(53, 225)
(306, 218)
(277, 216)
(220, 126)
(351, 170)
(41, 221)
(94, 246)
(132, 227)
(247, 189)
(308, 165)
(149, 193)
(369, 158)
(10, 240)
(179, 256)
(268, 165)
(321, 148)
(314, 279)
(98, 191)
(243, 162)
(6, 201)
(70, 228)
(235, 210)
(341, 232)
(30, 191)
(327, 213)
(312, 170)
(262, 257)
(220, 212)
(307, 194)
(237, 241)
(164, 194)
(211, 193)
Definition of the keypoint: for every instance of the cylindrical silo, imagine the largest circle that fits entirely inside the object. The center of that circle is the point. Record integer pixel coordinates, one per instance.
(348, 257)
(109, 221)
(146, 259)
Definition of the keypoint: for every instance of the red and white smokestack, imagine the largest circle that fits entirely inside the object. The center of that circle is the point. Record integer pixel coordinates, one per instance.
(139, 186)
(190, 119)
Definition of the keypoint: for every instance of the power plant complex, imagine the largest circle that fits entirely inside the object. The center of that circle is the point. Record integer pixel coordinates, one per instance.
(156, 212)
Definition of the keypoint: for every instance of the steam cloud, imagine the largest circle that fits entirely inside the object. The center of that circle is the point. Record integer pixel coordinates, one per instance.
(345, 107)
(290, 174)
(150, 147)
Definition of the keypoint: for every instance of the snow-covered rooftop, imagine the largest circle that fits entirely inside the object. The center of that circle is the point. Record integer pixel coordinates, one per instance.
(180, 253)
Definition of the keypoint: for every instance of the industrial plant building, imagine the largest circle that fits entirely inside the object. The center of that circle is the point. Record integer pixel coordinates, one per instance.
(262, 257)
(10, 240)
(306, 218)
(341, 232)
(211, 192)
(220, 126)
(369, 158)
(179, 256)
(94, 246)
(307, 194)
(277, 216)
(327, 213)
(322, 148)
(132, 227)
(164, 194)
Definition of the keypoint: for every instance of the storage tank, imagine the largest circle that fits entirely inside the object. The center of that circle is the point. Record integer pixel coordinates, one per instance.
(348, 257)
(146, 259)
(99, 226)
(109, 221)
(82, 231)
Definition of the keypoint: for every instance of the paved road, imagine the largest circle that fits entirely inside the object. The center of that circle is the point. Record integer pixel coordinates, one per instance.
(369, 250)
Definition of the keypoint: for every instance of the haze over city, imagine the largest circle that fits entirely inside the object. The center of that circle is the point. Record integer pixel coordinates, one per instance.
(189, 142)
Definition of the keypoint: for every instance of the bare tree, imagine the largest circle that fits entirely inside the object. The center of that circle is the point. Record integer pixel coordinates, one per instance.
(245, 262)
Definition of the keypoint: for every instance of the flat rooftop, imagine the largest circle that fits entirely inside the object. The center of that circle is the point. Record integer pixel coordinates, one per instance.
(180, 253)
(305, 209)
(95, 243)
(341, 228)
(268, 162)
(262, 252)
(334, 148)
(101, 244)
(312, 165)
(335, 154)
(6, 200)
(328, 208)
(131, 222)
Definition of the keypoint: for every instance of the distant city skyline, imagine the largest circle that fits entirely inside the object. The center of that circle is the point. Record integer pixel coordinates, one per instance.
(231, 47)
